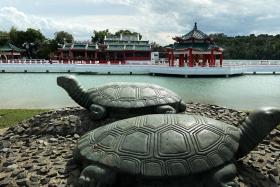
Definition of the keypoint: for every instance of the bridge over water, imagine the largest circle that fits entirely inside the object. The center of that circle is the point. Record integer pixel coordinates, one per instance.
(226, 70)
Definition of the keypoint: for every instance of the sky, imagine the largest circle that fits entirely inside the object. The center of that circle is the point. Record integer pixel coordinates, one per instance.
(157, 20)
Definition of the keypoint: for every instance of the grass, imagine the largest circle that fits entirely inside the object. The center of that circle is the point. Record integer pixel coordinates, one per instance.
(9, 117)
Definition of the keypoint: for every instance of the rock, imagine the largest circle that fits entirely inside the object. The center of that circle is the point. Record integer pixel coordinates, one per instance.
(5, 181)
(43, 150)
(12, 167)
(43, 170)
(7, 163)
(28, 166)
(260, 160)
(22, 175)
(45, 180)
(52, 140)
(16, 173)
(76, 136)
(19, 130)
(34, 178)
(52, 173)
(22, 182)
(5, 150)
(274, 179)
(50, 129)
(273, 171)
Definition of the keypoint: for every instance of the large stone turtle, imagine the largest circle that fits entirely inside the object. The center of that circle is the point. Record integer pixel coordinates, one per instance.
(122, 98)
(167, 146)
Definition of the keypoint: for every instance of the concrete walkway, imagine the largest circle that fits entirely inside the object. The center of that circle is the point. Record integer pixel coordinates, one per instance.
(137, 69)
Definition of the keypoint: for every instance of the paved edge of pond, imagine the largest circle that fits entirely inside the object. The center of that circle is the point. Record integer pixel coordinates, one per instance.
(38, 151)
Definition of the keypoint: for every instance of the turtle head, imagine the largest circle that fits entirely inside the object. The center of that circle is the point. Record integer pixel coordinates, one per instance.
(67, 82)
(74, 89)
(256, 127)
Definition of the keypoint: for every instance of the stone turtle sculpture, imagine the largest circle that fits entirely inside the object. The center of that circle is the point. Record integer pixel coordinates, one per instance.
(168, 147)
(122, 98)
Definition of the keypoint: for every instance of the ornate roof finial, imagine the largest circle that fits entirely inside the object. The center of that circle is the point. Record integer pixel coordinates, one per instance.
(195, 26)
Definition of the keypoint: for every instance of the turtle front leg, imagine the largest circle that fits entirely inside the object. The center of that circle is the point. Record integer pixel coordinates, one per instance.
(95, 176)
(97, 111)
(223, 177)
(165, 109)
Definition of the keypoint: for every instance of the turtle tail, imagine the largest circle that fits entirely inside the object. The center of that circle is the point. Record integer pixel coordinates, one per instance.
(74, 90)
(256, 127)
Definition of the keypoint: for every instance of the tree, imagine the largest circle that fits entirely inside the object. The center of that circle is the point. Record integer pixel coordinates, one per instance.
(99, 36)
(34, 36)
(47, 48)
(127, 32)
(61, 37)
(33, 41)
(156, 47)
(4, 37)
(17, 38)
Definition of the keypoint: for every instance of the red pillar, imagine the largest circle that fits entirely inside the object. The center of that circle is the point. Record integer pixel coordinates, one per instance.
(181, 60)
(204, 60)
(12, 54)
(70, 56)
(169, 58)
(108, 57)
(172, 58)
(86, 57)
(61, 56)
(190, 58)
(214, 62)
(95, 57)
(221, 60)
(115, 57)
(124, 57)
(212, 58)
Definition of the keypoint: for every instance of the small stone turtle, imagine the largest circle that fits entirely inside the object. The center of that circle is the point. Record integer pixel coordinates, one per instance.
(168, 147)
(122, 98)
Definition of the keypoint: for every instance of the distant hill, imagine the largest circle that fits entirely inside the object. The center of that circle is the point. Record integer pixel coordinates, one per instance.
(263, 46)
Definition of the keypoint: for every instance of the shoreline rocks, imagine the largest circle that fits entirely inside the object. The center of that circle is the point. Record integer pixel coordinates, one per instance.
(38, 151)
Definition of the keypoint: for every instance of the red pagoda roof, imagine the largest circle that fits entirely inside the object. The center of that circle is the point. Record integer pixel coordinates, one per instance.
(193, 34)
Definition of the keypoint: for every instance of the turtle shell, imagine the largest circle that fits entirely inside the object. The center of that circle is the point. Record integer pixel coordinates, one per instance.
(160, 145)
(132, 95)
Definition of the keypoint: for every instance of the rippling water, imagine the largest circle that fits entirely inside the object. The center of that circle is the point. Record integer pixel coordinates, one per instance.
(243, 92)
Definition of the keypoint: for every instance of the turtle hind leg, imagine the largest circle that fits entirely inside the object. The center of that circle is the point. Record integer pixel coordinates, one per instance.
(95, 176)
(97, 111)
(182, 106)
(165, 109)
(222, 177)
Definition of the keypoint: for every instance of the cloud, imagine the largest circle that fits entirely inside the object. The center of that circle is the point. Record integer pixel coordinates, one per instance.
(157, 20)
(10, 16)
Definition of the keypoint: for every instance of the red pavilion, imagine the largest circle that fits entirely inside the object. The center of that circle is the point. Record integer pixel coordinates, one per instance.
(194, 49)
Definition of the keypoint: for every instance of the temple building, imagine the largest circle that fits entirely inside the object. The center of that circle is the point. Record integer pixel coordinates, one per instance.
(123, 49)
(194, 49)
(9, 52)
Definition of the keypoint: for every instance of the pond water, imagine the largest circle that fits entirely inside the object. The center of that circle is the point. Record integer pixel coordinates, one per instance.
(21, 90)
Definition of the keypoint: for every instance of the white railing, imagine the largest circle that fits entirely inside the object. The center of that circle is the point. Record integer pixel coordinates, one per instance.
(162, 61)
